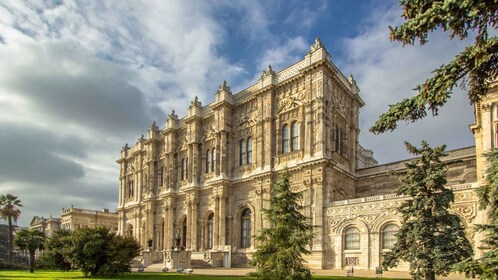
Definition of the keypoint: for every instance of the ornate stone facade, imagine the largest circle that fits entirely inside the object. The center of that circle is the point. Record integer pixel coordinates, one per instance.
(200, 183)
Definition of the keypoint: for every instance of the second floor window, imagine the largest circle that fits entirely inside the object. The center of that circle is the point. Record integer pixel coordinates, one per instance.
(208, 161)
(245, 151)
(213, 159)
(294, 136)
(285, 139)
(184, 169)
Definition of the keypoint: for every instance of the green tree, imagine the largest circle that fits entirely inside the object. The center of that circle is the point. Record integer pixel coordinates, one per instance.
(30, 240)
(473, 68)
(96, 252)
(55, 249)
(486, 267)
(9, 211)
(430, 238)
(280, 249)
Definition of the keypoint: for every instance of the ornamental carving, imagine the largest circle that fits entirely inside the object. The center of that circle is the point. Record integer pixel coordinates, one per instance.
(290, 103)
(246, 122)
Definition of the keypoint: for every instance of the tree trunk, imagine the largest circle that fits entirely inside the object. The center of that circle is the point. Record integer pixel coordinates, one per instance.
(32, 260)
(11, 244)
(430, 276)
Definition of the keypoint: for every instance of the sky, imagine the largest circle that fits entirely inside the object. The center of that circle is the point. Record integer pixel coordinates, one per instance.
(79, 79)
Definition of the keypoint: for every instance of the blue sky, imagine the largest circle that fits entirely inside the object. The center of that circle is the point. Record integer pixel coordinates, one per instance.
(79, 79)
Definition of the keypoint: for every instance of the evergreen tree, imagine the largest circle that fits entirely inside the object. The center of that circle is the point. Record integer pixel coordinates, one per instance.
(430, 238)
(473, 68)
(487, 266)
(30, 240)
(280, 249)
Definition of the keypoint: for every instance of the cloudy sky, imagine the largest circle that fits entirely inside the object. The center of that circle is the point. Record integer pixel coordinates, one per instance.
(78, 80)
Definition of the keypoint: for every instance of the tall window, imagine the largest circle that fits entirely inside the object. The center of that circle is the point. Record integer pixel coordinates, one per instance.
(213, 158)
(249, 150)
(184, 234)
(210, 231)
(337, 139)
(184, 173)
(243, 158)
(130, 188)
(161, 177)
(285, 139)
(246, 228)
(294, 136)
(208, 161)
(352, 239)
(389, 236)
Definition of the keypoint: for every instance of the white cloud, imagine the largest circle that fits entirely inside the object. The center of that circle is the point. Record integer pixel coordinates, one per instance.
(387, 72)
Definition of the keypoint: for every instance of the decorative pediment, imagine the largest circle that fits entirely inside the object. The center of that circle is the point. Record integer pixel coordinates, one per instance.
(246, 122)
(289, 103)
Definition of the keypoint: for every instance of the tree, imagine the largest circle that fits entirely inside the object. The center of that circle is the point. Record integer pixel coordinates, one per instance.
(279, 255)
(486, 267)
(30, 240)
(96, 252)
(474, 67)
(430, 238)
(55, 249)
(9, 211)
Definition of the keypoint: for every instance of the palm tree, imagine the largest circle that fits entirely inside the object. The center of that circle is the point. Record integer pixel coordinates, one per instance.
(30, 240)
(9, 211)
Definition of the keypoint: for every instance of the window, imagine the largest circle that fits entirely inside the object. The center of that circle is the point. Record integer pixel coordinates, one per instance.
(184, 173)
(294, 136)
(249, 150)
(246, 228)
(352, 239)
(243, 158)
(208, 161)
(161, 177)
(130, 188)
(210, 231)
(213, 158)
(389, 236)
(337, 139)
(285, 139)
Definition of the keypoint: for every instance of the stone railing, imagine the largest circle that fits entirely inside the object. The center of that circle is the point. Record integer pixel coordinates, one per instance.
(459, 187)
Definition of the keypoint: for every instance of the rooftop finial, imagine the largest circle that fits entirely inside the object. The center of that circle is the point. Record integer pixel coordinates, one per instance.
(224, 87)
(317, 45)
(269, 71)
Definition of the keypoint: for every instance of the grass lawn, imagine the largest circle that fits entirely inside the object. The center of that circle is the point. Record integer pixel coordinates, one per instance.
(44, 274)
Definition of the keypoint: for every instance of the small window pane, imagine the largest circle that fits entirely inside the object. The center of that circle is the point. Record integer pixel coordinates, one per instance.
(208, 161)
(246, 228)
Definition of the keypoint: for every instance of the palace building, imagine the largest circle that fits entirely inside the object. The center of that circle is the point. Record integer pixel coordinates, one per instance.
(197, 186)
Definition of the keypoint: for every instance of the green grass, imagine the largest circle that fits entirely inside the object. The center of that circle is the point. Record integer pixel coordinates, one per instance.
(52, 275)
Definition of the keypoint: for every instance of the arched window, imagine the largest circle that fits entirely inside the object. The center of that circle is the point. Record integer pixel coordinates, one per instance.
(249, 150)
(245, 221)
(184, 233)
(389, 236)
(213, 158)
(352, 239)
(285, 139)
(294, 136)
(208, 161)
(209, 230)
(242, 152)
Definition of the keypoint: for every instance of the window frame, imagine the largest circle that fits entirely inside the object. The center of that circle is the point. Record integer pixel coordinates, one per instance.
(294, 136)
(352, 238)
(285, 139)
(245, 228)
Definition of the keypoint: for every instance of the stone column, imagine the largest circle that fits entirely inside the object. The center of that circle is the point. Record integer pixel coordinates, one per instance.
(222, 222)
(216, 225)
(193, 235)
